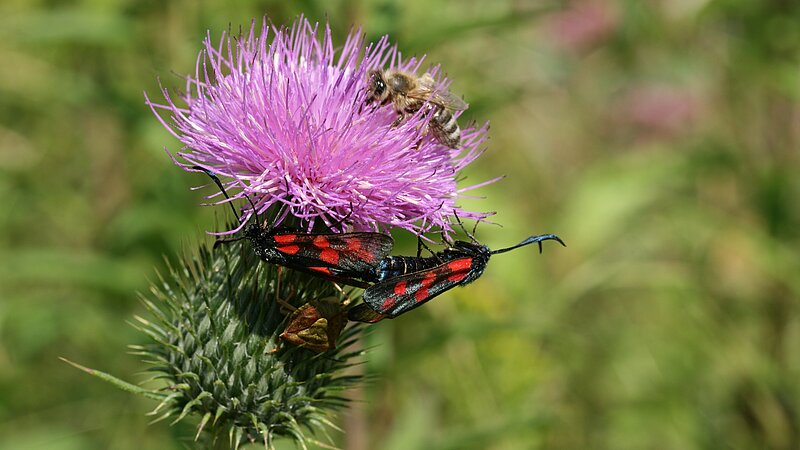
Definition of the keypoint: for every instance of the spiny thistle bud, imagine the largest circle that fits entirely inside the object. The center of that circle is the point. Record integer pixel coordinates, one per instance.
(216, 328)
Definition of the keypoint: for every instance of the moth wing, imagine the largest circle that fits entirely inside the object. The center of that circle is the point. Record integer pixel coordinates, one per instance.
(344, 252)
(401, 294)
(363, 313)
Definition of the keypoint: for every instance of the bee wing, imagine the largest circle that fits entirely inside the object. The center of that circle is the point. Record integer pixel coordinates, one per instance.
(426, 90)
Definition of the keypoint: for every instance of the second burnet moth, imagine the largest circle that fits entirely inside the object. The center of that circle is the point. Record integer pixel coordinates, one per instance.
(348, 258)
(407, 282)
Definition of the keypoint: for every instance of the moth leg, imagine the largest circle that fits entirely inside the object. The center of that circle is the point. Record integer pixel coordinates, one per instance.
(461, 224)
(347, 299)
(446, 241)
(342, 220)
(286, 307)
(421, 244)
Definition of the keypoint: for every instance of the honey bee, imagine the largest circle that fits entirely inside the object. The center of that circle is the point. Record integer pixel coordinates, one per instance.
(408, 94)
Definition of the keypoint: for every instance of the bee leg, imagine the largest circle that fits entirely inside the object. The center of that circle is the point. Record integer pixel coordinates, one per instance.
(398, 121)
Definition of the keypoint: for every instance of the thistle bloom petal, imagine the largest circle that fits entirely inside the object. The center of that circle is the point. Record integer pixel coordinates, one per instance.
(281, 115)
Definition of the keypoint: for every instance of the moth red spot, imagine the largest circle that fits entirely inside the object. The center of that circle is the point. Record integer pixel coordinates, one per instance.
(428, 280)
(421, 294)
(324, 270)
(285, 238)
(456, 277)
(354, 245)
(400, 288)
(388, 303)
(459, 269)
(290, 249)
(330, 256)
(460, 265)
(321, 242)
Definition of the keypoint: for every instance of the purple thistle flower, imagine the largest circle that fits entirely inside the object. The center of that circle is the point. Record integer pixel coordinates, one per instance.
(285, 121)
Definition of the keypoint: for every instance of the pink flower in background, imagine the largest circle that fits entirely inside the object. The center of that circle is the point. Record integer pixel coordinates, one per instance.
(582, 25)
(281, 116)
(659, 110)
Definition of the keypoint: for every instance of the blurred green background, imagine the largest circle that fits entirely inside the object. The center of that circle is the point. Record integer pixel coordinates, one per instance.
(658, 138)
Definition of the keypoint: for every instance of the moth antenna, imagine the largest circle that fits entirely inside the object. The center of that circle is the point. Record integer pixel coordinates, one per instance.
(531, 240)
(216, 179)
(255, 210)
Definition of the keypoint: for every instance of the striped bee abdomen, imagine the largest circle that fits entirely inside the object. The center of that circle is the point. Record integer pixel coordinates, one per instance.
(445, 127)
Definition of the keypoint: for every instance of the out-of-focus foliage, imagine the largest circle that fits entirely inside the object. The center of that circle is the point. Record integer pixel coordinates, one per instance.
(659, 139)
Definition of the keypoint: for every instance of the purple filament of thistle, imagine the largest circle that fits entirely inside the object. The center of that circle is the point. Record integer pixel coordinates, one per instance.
(280, 115)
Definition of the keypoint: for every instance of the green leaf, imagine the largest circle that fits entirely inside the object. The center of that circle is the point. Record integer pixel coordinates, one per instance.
(124, 385)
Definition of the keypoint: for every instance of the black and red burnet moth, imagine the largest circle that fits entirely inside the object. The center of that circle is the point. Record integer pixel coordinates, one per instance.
(347, 258)
(406, 282)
